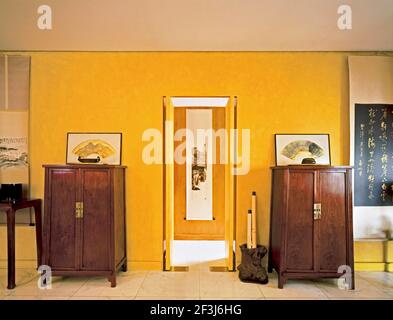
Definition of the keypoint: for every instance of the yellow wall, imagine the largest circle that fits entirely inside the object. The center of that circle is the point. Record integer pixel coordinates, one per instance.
(277, 93)
(370, 254)
(373, 255)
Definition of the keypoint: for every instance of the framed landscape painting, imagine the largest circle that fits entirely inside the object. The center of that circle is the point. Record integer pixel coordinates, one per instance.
(94, 148)
(293, 149)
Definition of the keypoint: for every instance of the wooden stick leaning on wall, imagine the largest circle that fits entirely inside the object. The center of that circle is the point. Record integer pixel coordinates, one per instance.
(254, 220)
(249, 226)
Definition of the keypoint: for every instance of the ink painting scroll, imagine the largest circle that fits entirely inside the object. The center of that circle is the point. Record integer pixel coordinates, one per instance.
(199, 169)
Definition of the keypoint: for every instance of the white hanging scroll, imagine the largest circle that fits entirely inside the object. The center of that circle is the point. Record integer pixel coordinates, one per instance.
(199, 170)
(14, 119)
(371, 86)
(13, 147)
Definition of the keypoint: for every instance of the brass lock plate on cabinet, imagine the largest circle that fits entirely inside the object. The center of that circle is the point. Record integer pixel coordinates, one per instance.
(317, 211)
(79, 210)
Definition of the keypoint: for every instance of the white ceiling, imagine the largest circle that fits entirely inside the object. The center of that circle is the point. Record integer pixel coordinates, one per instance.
(197, 25)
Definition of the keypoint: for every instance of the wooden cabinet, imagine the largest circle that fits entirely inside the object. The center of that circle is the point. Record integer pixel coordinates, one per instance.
(311, 232)
(84, 220)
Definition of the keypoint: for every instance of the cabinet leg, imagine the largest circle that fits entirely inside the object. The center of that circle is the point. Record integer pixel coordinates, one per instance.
(38, 231)
(11, 248)
(269, 268)
(353, 282)
(281, 281)
(112, 280)
(124, 268)
(269, 261)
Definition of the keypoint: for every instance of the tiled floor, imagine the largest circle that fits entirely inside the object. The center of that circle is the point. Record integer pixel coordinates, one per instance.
(198, 283)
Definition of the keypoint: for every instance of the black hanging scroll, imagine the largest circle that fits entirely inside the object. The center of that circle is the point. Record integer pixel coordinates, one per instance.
(373, 155)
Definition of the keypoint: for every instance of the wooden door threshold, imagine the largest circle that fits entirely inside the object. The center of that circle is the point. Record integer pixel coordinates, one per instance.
(218, 269)
(180, 268)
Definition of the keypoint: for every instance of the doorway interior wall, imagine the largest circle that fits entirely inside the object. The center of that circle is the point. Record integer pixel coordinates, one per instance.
(179, 224)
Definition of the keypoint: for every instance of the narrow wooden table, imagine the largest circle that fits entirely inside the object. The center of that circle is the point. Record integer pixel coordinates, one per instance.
(10, 209)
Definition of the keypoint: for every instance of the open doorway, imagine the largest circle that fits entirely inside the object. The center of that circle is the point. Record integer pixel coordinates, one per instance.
(199, 187)
(204, 254)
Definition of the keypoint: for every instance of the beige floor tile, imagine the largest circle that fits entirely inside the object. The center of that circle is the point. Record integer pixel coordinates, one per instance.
(293, 289)
(226, 285)
(381, 280)
(170, 284)
(360, 298)
(121, 298)
(195, 267)
(89, 298)
(302, 289)
(35, 298)
(196, 284)
(164, 298)
(3, 290)
(54, 298)
(22, 298)
(298, 298)
(61, 287)
(383, 276)
(128, 273)
(22, 276)
(231, 298)
(127, 285)
(363, 289)
(206, 265)
(387, 291)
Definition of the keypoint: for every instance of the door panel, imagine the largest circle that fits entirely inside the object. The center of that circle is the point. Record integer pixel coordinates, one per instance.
(195, 229)
(299, 224)
(63, 226)
(332, 230)
(96, 222)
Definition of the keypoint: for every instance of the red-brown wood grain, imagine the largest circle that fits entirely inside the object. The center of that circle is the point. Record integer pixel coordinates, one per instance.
(94, 244)
(302, 247)
(300, 231)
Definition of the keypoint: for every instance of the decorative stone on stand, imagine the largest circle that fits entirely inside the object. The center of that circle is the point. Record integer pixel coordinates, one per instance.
(251, 269)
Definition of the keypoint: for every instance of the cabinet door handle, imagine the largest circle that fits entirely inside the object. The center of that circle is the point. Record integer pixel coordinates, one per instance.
(317, 211)
(79, 210)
